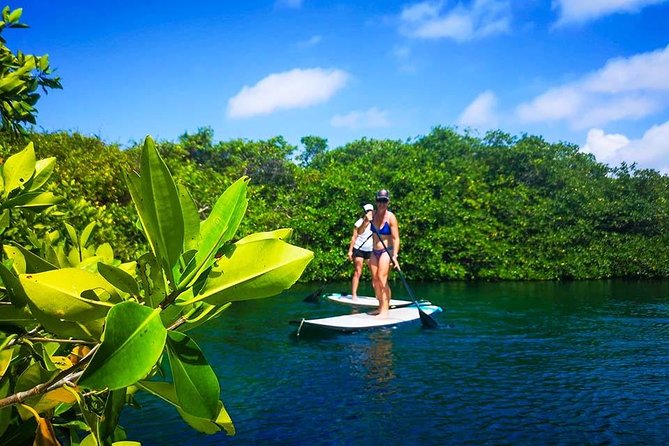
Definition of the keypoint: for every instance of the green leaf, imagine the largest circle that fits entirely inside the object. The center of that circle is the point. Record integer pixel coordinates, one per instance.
(33, 262)
(35, 201)
(73, 235)
(167, 392)
(56, 299)
(4, 220)
(43, 170)
(281, 234)
(191, 219)
(218, 228)
(16, 256)
(196, 383)
(119, 278)
(16, 294)
(112, 412)
(132, 342)
(86, 233)
(162, 206)
(254, 270)
(152, 280)
(18, 169)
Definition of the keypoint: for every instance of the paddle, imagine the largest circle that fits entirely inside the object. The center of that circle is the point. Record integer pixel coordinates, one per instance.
(315, 296)
(425, 319)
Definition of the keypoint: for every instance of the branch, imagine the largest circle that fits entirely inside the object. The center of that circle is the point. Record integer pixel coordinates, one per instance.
(66, 377)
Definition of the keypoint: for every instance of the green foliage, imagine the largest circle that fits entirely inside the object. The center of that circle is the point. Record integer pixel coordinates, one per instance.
(21, 75)
(88, 331)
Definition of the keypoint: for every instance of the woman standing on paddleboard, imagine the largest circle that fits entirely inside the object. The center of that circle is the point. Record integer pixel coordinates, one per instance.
(386, 232)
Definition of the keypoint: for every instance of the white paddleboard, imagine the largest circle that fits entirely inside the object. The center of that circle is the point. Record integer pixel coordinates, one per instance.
(366, 301)
(365, 321)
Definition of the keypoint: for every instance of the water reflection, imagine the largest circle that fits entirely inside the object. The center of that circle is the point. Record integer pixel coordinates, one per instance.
(373, 359)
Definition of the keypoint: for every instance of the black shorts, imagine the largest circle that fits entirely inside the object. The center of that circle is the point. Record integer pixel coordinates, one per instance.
(364, 254)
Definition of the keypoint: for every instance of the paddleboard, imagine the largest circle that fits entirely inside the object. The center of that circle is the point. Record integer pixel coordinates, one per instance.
(365, 321)
(366, 301)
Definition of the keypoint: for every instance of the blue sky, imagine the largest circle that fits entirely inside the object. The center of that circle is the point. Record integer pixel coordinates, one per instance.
(590, 72)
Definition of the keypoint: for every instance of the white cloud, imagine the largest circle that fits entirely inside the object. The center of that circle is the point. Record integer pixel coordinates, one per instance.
(625, 88)
(429, 20)
(604, 147)
(312, 41)
(298, 88)
(650, 151)
(372, 118)
(294, 4)
(481, 112)
(575, 11)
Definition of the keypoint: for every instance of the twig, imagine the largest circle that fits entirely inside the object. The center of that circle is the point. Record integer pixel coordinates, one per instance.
(66, 377)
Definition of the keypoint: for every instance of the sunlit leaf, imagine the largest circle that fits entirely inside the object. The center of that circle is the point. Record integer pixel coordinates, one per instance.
(132, 342)
(86, 233)
(14, 289)
(281, 234)
(18, 169)
(218, 228)
(43, 170)
(161, 205)
(58, 293)
(253, 270)
(191, 218)
(33, 262)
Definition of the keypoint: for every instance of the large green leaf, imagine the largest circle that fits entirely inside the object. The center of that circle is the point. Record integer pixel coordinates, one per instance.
(132, 342)
(218, 228)
(18, 169)
(162, 206)
(56, 300)
(261, 268)
(167, 392)
(196, 383)
(59, 293)
(35, 201)
(281, 234)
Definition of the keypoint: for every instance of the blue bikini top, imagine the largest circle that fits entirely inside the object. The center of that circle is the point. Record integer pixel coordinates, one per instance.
(385, 229)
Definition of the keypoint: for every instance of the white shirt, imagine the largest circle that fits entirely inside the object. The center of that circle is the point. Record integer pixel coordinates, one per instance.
(364, 241)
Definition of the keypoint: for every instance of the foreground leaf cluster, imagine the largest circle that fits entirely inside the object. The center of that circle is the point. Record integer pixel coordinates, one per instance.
(82, 332)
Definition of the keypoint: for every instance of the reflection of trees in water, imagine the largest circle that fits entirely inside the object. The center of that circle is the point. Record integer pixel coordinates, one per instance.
(374, 360)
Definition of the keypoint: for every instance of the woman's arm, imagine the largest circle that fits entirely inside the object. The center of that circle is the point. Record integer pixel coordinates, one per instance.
(395, 234)
(350, 245)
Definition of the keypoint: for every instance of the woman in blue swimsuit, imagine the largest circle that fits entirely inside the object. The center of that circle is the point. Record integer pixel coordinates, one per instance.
(384, 228)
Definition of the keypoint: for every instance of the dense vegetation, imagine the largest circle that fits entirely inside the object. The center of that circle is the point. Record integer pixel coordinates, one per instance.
(491, 207)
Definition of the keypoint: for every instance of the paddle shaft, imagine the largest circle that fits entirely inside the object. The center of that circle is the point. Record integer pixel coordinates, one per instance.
(425, 319)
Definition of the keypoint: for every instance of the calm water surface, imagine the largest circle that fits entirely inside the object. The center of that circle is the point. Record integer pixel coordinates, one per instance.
(512, 363)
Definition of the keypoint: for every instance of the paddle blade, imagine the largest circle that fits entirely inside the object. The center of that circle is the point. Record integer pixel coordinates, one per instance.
(426, 320)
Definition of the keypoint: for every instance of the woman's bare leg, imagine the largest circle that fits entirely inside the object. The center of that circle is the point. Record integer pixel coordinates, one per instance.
(357, 263)
(384, 287)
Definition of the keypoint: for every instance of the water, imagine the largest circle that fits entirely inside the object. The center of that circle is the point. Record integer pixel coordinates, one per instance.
(512, 363)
